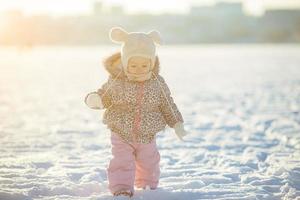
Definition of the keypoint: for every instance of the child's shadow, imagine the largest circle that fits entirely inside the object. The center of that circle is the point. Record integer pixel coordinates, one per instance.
(159, 194)
(164, 194)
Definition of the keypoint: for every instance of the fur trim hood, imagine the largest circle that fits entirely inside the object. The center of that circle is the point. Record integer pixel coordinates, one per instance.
(113, 63)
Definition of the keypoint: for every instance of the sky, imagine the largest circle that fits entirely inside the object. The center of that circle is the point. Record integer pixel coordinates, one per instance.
(70, 7)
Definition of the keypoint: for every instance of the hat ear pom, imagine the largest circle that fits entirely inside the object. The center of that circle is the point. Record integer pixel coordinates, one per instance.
(118, 35)
(155, 36)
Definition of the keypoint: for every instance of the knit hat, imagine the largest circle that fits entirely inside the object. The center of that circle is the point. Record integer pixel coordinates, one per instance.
(135, 44)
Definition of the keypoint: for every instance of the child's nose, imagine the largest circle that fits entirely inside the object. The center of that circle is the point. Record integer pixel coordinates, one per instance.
(140, 68)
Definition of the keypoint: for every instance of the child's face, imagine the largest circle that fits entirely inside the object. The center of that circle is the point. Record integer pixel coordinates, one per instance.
(138, 65)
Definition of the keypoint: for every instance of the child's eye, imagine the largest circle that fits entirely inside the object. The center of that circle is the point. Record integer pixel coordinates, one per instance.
(144, 66)
(133, 66)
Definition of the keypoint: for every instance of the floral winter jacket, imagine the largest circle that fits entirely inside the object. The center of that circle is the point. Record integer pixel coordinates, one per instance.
(136, 110)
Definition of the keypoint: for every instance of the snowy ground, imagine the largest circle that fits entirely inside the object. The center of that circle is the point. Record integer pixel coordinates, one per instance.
(241, 105)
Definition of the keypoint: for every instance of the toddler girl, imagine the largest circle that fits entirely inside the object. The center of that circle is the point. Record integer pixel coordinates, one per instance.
(138, 105)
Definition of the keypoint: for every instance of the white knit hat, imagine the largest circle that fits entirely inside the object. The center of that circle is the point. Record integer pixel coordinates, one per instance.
(135, 44)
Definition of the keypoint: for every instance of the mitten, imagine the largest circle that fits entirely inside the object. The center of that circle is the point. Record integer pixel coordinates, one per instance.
(179, 130)
(93, 101)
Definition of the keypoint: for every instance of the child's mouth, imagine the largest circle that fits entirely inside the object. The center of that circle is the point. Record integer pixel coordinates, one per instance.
(140, 73)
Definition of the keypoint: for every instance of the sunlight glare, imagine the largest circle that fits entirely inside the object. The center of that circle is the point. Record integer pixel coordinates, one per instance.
(254, 7)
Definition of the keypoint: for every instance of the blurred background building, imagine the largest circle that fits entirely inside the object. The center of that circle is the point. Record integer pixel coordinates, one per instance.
(223, 22)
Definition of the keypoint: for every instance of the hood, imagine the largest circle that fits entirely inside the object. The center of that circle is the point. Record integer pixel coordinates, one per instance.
(113, 65)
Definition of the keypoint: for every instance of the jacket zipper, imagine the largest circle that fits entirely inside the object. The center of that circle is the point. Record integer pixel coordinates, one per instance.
(137, 119)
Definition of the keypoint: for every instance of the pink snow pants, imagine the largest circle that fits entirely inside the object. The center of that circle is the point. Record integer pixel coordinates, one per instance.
(132, 164)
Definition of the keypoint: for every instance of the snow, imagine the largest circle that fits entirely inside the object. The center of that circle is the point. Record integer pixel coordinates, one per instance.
(240, 104)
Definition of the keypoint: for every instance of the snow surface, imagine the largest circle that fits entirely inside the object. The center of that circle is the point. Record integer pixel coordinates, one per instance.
(240, 105)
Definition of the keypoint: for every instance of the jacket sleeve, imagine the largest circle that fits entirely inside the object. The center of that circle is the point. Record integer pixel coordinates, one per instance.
(172, 116)
(105, 93)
